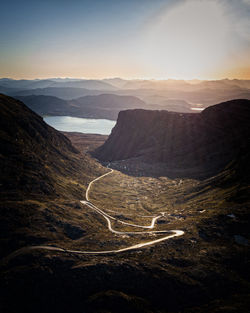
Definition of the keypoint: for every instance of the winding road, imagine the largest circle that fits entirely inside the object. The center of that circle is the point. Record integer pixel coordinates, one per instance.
(109, 219)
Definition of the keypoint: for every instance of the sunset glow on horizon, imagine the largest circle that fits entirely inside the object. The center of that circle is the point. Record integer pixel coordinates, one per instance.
(184, 39)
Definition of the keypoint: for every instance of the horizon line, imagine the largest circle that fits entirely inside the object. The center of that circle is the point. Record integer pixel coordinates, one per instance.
(131, 78)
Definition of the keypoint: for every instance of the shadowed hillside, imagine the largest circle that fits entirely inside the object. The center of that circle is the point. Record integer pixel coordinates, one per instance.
(46, 105)
(43, 177)
(38, 165)
(187, 144)
(34, 155)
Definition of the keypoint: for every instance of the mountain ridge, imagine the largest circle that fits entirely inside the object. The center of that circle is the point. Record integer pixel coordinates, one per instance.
(206, 141)
(33, 155)
(43, 209)
(94, 106)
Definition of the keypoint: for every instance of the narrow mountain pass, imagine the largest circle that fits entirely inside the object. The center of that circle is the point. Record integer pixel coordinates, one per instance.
(109, 219)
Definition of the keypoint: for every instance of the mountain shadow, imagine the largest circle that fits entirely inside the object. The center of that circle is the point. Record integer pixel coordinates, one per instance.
(180, 145)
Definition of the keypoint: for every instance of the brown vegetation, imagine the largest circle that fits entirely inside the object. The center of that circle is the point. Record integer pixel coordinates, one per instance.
(206, 270)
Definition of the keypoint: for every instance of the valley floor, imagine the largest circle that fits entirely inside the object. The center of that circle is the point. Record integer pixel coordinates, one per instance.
(205, 270)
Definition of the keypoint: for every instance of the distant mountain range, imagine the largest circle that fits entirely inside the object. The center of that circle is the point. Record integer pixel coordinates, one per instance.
(152, 92)
(66, 93)
(105, 106)
(45, 83)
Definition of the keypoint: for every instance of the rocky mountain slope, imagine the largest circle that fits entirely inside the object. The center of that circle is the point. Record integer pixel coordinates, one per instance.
(43, 177)
(37, 165)
(33, 154)
(189, 144)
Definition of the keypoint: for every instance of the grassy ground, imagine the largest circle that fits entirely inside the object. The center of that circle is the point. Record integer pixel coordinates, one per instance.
(205, 270)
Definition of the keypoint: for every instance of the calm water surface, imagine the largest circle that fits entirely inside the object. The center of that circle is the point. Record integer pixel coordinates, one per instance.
(82, 125)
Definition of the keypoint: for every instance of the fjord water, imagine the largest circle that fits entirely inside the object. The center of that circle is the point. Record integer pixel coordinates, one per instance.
(82, 125)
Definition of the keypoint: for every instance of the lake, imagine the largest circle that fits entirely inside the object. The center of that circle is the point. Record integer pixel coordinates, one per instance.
(197, 109)
(82, 125)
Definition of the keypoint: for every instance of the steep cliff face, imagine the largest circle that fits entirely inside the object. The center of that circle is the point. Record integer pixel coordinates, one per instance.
(209, 140)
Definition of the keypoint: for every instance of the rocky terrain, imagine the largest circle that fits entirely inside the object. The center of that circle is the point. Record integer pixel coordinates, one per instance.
(33, 154)
(43, 177)
(191, 145)
(38, 165)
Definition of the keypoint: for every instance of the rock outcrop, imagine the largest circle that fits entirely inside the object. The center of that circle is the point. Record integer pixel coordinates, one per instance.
(207, 141)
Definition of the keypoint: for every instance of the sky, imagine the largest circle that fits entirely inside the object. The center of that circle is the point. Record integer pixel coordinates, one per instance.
(148, 39)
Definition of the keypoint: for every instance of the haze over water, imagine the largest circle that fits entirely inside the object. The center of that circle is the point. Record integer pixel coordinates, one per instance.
(82, 125)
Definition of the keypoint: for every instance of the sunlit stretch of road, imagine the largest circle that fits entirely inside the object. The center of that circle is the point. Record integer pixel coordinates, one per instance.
(109, 219)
